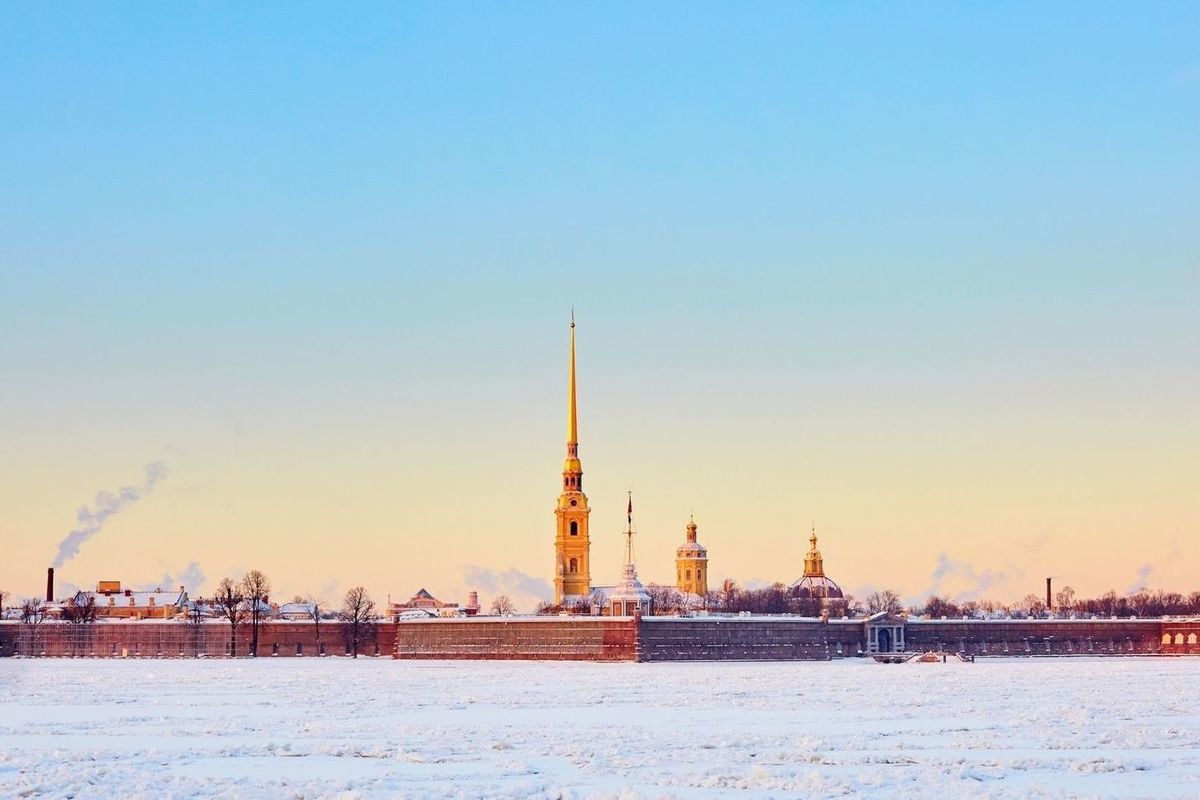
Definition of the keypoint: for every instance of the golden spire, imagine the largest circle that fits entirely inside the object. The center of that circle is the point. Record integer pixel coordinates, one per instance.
(572, 469)
(572, 426)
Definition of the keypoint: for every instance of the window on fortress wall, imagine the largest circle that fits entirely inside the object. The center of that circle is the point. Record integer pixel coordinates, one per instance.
(1191, 638)
(574, 530)
(299, 649)
(1166, 638)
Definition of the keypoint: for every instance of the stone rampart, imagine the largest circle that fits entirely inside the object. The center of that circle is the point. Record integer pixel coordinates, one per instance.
(1015, 637)
(546, 638)
(711, 638)
(744, 639)
(176, 639)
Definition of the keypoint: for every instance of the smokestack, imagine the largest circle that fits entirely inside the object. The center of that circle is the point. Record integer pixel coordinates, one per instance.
(50, 585)
(1049, 604)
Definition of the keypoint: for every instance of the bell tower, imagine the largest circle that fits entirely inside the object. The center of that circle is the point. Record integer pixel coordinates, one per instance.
(691, 564)
(572, 568)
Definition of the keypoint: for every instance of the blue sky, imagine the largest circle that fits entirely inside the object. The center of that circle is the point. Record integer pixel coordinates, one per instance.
(879, 228)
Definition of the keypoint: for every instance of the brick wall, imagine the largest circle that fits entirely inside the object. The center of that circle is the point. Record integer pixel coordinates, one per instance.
(572, 639)
(1181, 638)
(744, 639)
(607, 639)
(151, 639)
(1035, 637)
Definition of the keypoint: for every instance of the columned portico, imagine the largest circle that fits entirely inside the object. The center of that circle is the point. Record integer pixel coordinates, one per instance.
(884, 633)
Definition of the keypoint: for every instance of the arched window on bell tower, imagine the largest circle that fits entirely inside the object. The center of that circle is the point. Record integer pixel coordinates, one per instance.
(574, 530)
(574, 565)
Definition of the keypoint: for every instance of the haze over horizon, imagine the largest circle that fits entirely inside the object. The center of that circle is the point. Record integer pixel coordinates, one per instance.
(925, 279)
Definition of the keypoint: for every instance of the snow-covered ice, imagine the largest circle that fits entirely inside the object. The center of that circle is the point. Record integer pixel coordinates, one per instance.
(305, 728)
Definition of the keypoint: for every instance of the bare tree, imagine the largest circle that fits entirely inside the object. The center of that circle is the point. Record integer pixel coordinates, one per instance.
(256, 588)
(666, 599)
(193, 616)
(316, 606)
(33, 614)
(502, 606)
(582, 607)
(228, 603)
(33, 611)
(81, 608)
(729, 594)
(886, 600)
(936, 607)
(1033, 605)
(358, 612)
(3, 594)
(1064, 599)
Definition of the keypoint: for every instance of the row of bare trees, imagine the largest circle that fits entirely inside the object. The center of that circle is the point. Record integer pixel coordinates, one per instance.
(247, 602)
(1141, 603)
(731, 598)
(241, 602)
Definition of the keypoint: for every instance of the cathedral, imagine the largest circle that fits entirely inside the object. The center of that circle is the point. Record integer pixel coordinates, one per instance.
(572, 544)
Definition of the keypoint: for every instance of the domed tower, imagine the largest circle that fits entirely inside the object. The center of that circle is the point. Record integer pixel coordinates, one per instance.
(572, 547)
(691, 564)
(813, 584)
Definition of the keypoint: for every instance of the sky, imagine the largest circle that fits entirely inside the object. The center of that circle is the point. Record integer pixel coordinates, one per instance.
(925, 276)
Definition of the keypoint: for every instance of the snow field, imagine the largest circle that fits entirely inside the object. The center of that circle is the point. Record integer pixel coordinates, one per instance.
(340, 728)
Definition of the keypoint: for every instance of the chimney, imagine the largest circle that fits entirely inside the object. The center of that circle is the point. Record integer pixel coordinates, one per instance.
(50, 585)
(1049, 604)
(473, 600)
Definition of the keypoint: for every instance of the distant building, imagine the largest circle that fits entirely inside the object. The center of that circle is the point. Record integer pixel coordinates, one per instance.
(628, 598)
(814, 584)
(297, 611)
(114, 602)
(424, 604)
(691, 564)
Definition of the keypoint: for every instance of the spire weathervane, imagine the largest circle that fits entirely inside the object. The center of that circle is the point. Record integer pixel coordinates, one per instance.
(629, 530)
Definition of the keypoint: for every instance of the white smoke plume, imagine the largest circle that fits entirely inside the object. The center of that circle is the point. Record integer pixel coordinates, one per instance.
(1143, 578)
(92, 518)
(959, 581)
(525, 590)
(190, 578)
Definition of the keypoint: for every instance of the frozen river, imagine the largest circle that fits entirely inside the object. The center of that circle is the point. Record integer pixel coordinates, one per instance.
(303, 728)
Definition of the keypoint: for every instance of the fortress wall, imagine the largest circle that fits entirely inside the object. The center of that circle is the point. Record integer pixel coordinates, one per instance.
(551, 638)
(1181, 637)
(8, 639)
(1036, 637)
(607, 639)
(172, 639)
(744, 639)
